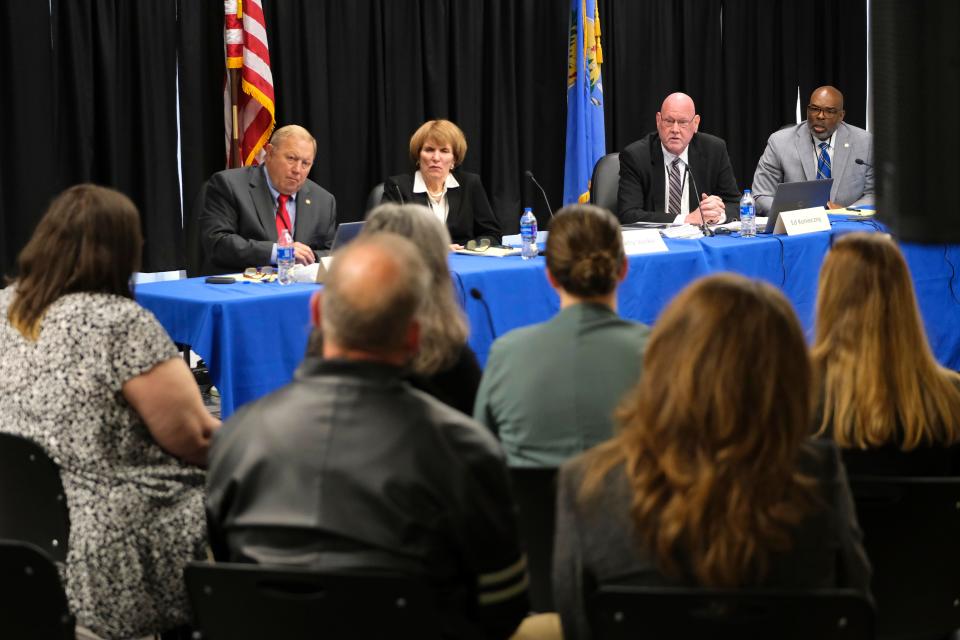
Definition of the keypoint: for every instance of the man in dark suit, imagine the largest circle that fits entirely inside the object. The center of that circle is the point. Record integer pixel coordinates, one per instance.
(245, 208)
(655, 172)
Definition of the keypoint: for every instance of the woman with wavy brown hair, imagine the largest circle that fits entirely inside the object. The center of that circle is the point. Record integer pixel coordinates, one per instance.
(712, 480)
(884, 399)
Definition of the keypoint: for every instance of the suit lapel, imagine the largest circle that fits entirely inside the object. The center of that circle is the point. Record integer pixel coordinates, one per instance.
(657, 175)
(841, 158)
(697, 165)
(806, 152)
(306, 213)
(263, 202)
(455, 201)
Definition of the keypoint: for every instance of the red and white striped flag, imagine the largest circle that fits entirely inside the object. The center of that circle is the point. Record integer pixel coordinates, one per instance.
(251, 120)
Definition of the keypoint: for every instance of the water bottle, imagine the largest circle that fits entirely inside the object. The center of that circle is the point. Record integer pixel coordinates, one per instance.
(285, 260)
(748, 215)
(528, 234)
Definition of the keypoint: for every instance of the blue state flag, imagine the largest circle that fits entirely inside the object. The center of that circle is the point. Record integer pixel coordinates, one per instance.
(585, 131)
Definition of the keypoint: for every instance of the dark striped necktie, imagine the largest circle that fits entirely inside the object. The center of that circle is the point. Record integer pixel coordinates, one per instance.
(823, 162)
(674, 207)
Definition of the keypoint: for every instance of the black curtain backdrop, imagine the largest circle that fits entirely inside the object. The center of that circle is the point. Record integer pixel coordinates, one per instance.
(363, 74)
(26, 115)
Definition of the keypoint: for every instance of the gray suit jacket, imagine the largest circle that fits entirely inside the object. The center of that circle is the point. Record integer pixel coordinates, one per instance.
(238, 220)
(789, 157)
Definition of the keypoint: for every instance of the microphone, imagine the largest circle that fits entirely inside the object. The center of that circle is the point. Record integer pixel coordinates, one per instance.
(476, 295)
(399, 193)
(704, 229)
(863, 162)
(529, 174)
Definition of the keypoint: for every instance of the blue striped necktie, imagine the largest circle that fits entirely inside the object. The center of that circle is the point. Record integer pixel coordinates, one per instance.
(823, 162)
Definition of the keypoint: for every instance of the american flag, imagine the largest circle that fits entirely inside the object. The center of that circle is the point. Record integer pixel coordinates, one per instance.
(250, 121)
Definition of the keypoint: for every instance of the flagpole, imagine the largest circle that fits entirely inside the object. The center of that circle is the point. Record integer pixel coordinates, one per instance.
(236, 160)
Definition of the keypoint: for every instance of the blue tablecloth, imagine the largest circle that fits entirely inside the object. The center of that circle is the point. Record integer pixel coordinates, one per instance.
(253, 336)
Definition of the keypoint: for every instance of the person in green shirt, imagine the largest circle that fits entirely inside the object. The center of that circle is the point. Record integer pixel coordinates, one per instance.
(549, 390)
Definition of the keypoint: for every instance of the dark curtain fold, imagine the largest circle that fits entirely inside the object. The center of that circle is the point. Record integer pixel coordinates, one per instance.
(363, 75)
(115, 73)
(27, 167)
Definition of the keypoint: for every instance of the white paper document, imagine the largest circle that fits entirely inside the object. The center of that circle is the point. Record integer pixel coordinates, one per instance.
(639, 241)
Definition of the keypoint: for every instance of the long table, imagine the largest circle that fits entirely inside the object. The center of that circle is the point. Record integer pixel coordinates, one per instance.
(253, 335)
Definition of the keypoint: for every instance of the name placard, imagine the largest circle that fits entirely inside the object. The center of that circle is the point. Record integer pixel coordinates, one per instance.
(801, 221)
(638, 241)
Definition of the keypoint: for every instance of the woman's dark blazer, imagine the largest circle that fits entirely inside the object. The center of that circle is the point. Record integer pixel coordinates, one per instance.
(470, 215)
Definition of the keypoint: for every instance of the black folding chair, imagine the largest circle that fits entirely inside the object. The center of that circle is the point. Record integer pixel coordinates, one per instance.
(535, 491)
(251, 602)
(911, 531)
(33, 505)
(605, 182)
(628, 612)
(32, 602)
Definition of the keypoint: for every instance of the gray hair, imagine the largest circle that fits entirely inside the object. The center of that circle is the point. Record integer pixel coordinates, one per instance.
(292, 131)
(443, 325)
(373, 292)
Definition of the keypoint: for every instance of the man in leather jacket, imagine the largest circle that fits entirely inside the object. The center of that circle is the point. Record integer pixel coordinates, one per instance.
(348, 467)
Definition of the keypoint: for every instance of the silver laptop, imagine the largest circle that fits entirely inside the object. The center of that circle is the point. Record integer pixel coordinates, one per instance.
(791, 196)
(346, 231)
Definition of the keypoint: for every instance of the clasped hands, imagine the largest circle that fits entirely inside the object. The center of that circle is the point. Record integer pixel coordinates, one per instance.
(711, 207)
(303, 254)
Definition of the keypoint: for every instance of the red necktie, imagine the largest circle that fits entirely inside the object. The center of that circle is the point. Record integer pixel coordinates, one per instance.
(283, 218)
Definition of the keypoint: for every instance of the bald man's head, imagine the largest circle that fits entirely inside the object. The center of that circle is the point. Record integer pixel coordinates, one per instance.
(373, 291)
(825, 112)
(677, 121)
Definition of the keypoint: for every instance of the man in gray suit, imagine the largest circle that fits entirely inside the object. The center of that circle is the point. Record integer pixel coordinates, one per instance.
(245, 209)
(823, 146)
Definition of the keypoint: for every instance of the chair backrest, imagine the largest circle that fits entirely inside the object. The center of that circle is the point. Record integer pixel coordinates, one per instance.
(911, 532)
(246, 601)
(33, 505)
(605, 183)
(374, 198)
(680, 614)
(32, 601)
(535, 492)
(194, 248)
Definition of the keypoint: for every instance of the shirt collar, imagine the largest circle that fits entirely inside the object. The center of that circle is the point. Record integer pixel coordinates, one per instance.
(273, 192)
(668, 157)
(830, 141)
(419, 186)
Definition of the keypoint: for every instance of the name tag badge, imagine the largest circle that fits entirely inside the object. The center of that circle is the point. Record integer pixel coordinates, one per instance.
(801, 221)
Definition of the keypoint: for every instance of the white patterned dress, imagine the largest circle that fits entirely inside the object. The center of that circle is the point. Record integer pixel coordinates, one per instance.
(136, 512)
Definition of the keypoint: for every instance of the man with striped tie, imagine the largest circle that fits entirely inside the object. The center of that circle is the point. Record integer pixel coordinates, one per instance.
(823, 146)
(676, 174)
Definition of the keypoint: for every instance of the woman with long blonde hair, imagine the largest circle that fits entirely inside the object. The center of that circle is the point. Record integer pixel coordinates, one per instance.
(884, 399)
(712, 479)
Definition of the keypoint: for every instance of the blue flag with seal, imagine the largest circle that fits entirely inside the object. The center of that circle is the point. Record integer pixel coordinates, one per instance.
(585, 130)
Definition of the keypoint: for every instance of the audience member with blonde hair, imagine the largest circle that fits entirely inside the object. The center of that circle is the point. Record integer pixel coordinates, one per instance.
(94, 378)
(549, 391)
(455, 197)
(445, 366)
(883, 398)
(710, 483)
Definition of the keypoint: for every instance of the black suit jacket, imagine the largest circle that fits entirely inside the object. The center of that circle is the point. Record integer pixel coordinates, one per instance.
(641, 196)
(238, 221)
(470, 215)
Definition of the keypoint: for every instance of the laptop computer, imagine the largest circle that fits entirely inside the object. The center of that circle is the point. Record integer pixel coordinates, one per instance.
(346, 231)
(791, 196)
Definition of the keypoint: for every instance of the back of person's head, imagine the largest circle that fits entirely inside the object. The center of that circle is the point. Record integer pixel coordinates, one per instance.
(88, 240)
(443, 326)
(372, 294)
(881, 383)
(711, 435)
(585, 250)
